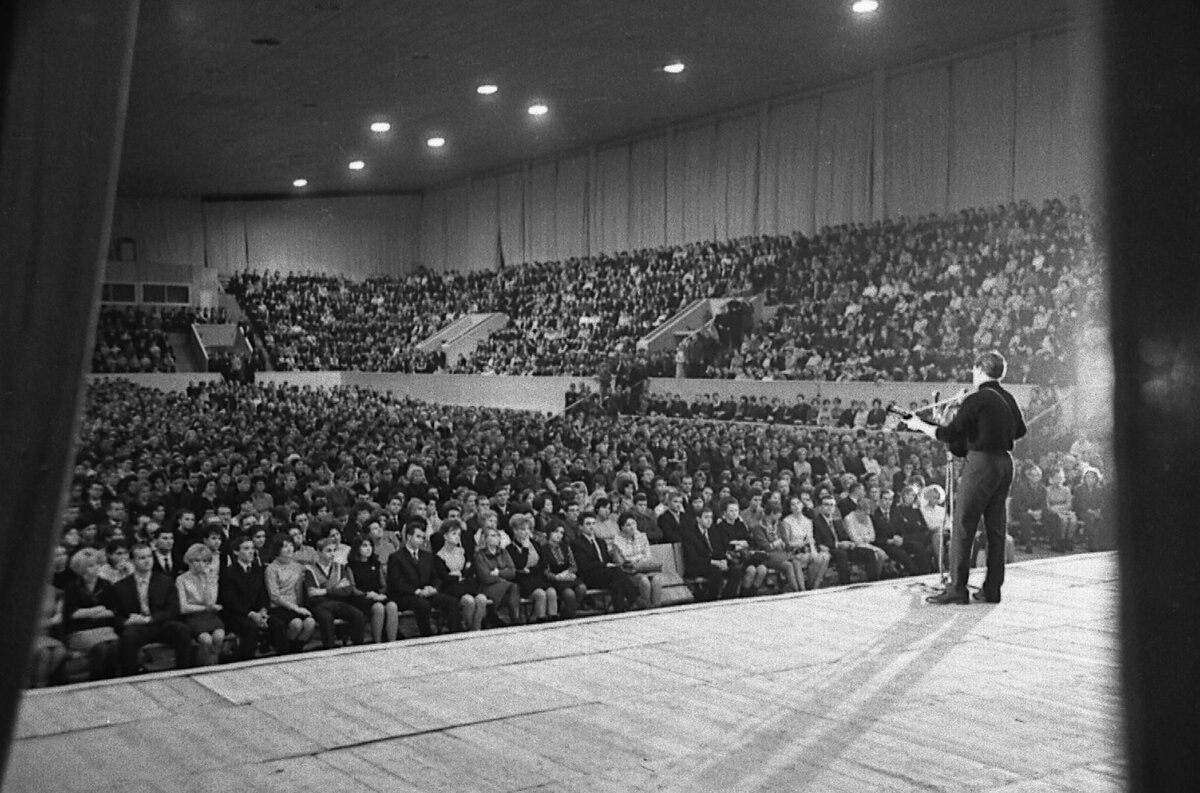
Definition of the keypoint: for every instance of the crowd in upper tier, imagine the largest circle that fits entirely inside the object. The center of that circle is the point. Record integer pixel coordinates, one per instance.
(293, 509)
(130, 339)
(906, 299)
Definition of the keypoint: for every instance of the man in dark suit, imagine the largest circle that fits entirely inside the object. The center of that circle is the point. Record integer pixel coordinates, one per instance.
(243, 597)
(701, 559)
(670, 520)
(826, 524)
(596, 567)
(146, 607)
(414, 584)
(472, 479)
(167, 559)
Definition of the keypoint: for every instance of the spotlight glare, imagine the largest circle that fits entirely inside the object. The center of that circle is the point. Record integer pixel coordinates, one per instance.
(487, 89)
(538, 110)
(435, 143)
(356, 165)
(674, 68)
(864, 6)
(381, 126)
(300, 183)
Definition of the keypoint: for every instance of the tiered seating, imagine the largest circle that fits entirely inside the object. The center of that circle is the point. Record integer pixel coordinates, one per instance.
(135, 340)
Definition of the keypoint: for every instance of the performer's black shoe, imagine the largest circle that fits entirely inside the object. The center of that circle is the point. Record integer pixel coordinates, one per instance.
(980, 596)
(950, 596)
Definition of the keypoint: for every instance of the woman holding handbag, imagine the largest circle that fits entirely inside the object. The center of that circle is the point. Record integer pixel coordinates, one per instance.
(631, 550)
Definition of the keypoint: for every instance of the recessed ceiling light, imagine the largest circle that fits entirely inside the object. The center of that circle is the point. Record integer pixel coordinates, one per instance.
(435, 143)
(674, 68)
(864, 6)
(356, 165)
(299, 183)
(380, 126)
(487, 89)
(538, 110)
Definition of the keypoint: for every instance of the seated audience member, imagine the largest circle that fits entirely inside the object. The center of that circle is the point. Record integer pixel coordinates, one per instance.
(146, 609)
(330, 593)
(796, 530)
(861, 533)
(748, 566)
(933, 510)
(198, 607)
(766, 538)
(414, 582)
(704, 555)
(631, 551)
(670, 519)
(118, 564)
(1059, 500)
(166, 560)
(831, 539)
(907, 519)
(367, 569)
(597, 568)
(1088, 505)
(563, 572)
(61, 574)
(496, 574)
(48, 651)
(284, 579)
(242, 593)
(1027, 508)
(530, 562)
(606, 524)
(457, 572)
(88, 617)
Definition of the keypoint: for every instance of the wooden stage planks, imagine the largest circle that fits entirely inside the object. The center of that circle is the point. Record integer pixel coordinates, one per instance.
(859, 689)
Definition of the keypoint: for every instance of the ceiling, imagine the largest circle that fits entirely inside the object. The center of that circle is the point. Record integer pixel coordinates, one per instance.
(213, 114)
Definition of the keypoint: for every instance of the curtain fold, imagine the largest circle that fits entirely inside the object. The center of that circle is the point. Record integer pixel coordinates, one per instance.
(787, 184)
(648, 193)
(225, 236)
(736, 178)
(541, 236)
(608, 210)
(458, 218)
(357, 237)
(917, 140)
(844, 157)
(982, 104)
(511, 217)
(433, 231)
(571, 216)
(483, 229)
(164, 230)
(691, 178)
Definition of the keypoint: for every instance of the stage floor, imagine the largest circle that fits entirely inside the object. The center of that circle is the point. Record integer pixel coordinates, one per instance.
(859, 689)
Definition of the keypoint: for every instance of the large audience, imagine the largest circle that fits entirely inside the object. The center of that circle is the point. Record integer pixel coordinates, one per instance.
(134, 339)
(903, 299)
(233, 520)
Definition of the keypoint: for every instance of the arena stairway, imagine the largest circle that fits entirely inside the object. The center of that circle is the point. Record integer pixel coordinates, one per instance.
(463, 335)
(188, 357)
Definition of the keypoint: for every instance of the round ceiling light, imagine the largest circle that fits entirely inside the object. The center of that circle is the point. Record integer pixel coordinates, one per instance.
(435, 142)
(674, 68)
(864, 6)
(381, 126)
(299, 183)
(487, 89)
(356, 165)
(538, 110)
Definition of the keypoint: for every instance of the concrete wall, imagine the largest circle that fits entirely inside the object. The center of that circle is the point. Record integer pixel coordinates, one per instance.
(177, 381)
(787, 390)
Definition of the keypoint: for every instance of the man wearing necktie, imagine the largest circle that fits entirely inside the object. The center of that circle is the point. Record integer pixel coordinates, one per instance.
(414, 583)
(700, 559)
(164, 552)
(596, 567)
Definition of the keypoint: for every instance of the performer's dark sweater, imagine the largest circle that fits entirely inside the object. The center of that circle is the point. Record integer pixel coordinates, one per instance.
(988, 421)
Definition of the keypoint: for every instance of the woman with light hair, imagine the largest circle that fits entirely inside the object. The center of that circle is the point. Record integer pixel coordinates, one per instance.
(87, 616)
(530, 562)
(933, 510)
(198, 606)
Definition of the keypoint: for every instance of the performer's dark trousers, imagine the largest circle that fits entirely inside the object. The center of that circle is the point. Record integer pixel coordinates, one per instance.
(982, 492)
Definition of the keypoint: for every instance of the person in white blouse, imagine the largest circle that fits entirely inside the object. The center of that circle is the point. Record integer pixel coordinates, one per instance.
(796, 529)
(631, 550)
(198, 606)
